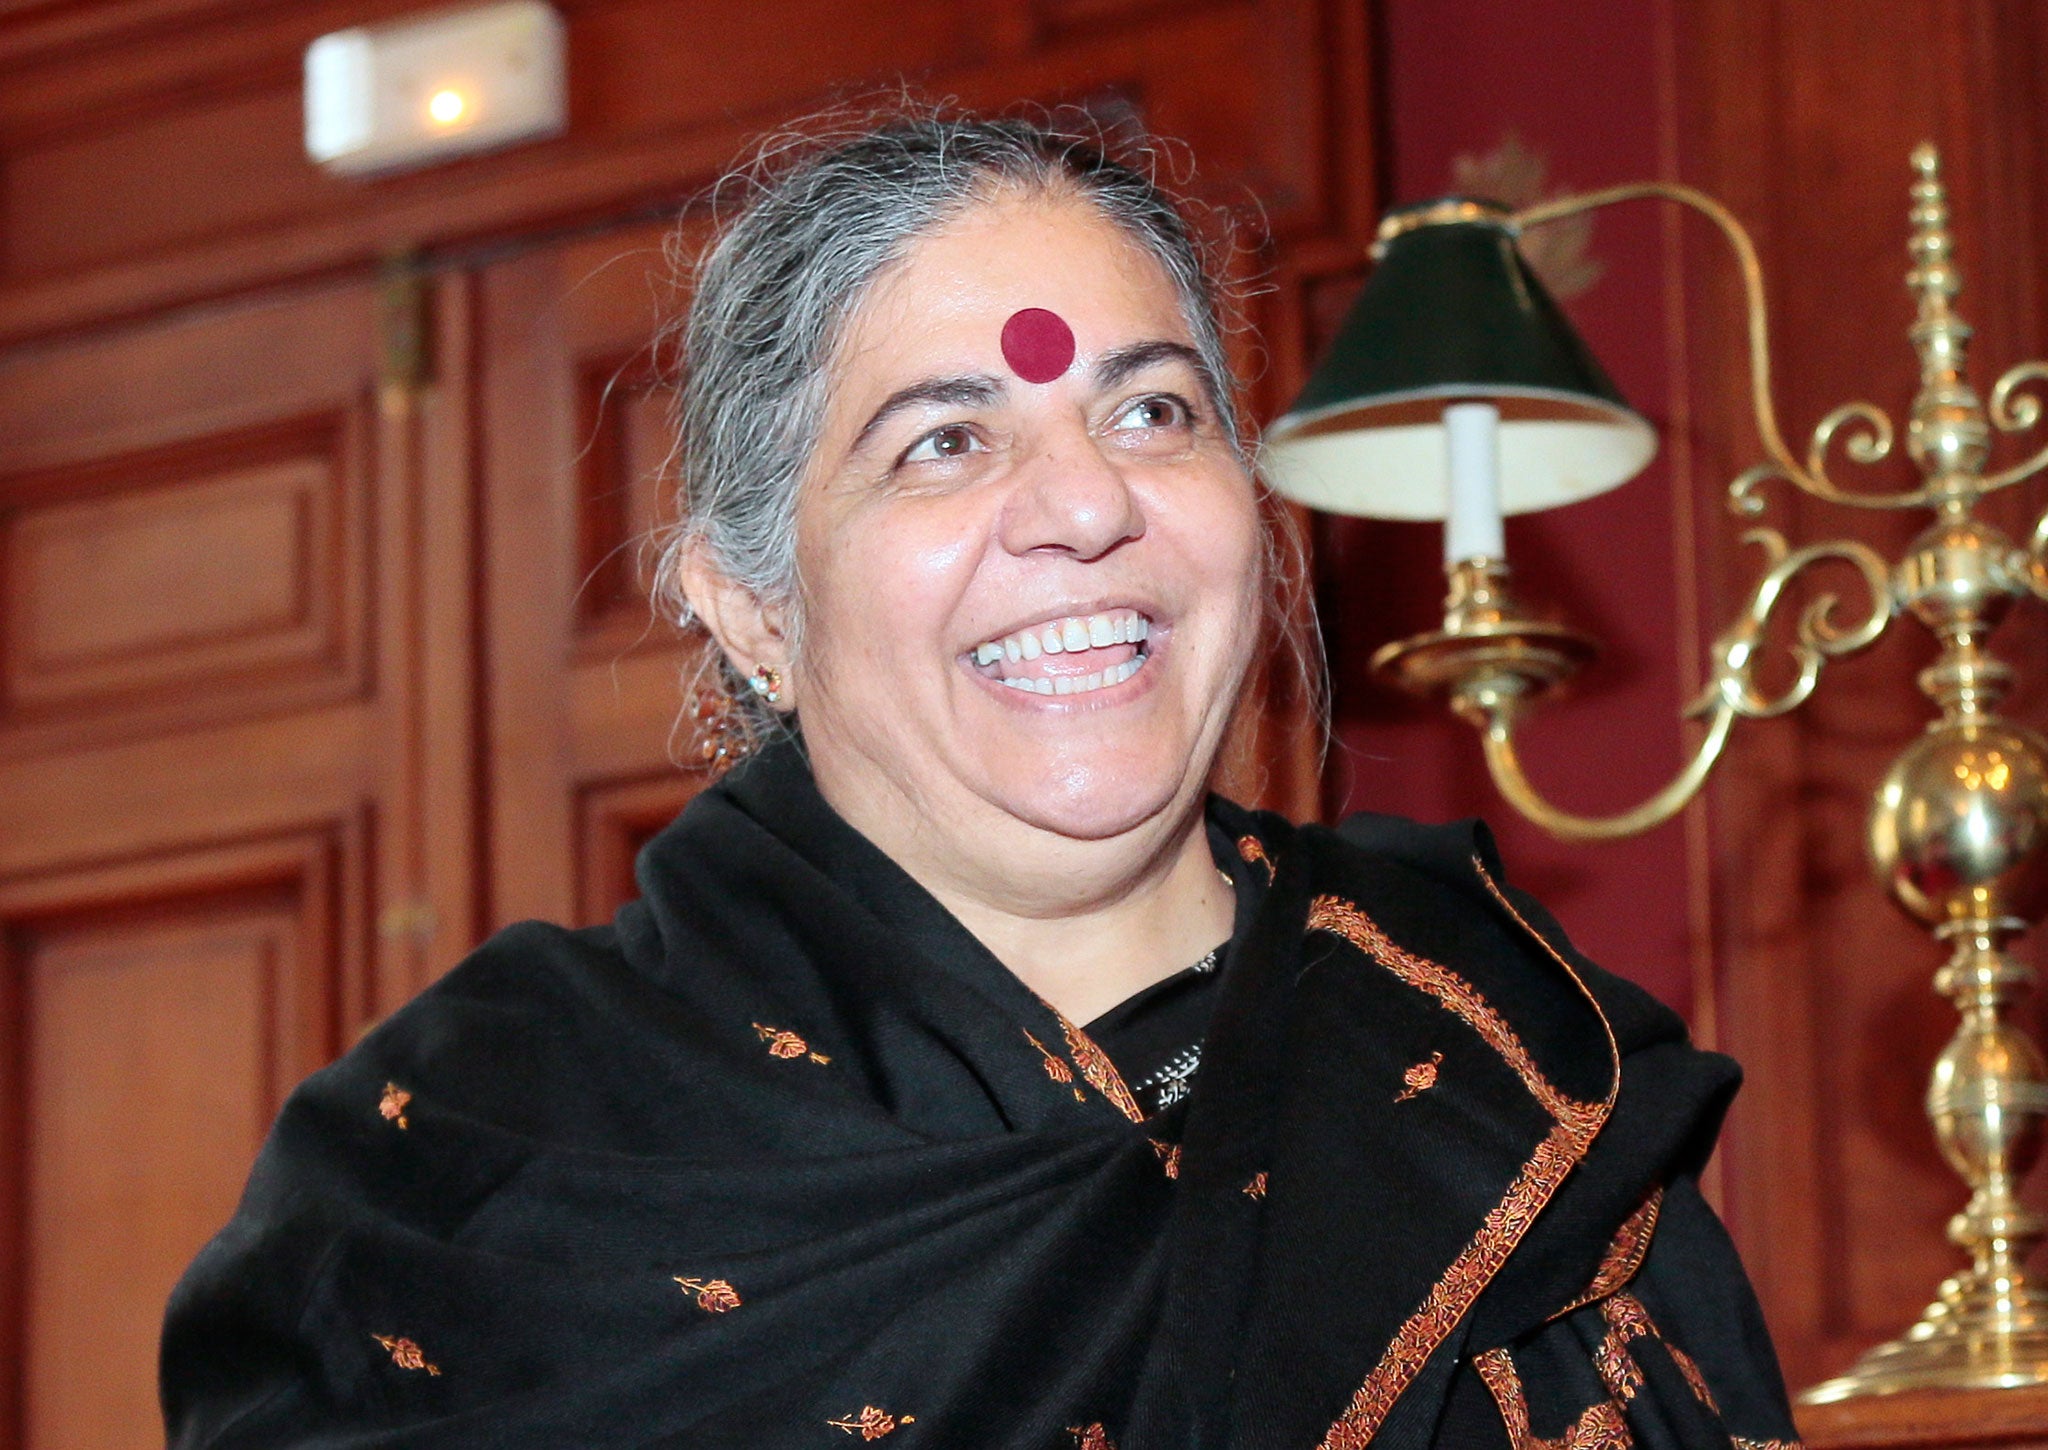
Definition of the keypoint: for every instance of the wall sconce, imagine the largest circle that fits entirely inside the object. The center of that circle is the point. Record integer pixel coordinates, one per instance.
(1456, 390)
(413, 92)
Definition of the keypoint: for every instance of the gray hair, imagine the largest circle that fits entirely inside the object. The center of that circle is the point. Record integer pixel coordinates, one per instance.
(825, 211)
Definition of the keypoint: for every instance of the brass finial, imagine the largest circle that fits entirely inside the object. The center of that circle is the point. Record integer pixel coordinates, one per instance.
(1948, 435)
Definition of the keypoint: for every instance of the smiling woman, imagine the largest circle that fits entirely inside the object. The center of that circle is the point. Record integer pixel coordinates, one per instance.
(811, 1141)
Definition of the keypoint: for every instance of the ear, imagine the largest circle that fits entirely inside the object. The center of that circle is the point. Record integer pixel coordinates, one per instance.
(747, 629)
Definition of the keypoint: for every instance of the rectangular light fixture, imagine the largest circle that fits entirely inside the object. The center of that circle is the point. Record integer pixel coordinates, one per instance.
(414, 92)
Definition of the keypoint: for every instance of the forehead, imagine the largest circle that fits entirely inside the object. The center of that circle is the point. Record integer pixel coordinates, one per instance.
(943, 304)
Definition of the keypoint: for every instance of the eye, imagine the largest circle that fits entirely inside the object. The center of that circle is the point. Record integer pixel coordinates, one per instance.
(942, 445)
(1156, 410)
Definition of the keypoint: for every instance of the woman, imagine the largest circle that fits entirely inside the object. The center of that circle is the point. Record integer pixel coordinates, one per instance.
(808, 1144)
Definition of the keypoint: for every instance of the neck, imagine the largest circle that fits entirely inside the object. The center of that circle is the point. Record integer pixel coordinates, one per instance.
(1085, 950)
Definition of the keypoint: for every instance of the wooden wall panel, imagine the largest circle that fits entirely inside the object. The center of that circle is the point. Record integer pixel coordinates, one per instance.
(223, 571)
(159, 1011)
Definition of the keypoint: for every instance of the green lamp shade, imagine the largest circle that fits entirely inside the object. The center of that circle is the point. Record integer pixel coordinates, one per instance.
(1452, 313)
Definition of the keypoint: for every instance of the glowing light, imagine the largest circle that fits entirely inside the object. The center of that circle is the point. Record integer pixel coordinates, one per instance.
(447, 107)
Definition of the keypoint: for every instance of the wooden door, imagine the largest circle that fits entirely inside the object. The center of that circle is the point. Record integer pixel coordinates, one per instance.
(229, 698)
(585, 753)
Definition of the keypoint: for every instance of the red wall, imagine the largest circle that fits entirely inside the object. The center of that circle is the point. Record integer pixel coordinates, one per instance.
(1583, 83)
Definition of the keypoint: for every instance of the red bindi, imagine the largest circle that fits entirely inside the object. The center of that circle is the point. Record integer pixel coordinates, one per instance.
(1037, 344)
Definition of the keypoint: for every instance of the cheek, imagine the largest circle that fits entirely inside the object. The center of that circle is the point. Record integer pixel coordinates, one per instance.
(883, 581)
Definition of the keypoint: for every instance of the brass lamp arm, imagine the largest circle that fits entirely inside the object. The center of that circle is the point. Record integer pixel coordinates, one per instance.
(1504, 764)
(1493, 700)
(1872, 444)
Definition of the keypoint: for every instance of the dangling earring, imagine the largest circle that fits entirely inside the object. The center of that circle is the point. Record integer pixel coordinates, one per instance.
(767, 683)
(723, 739)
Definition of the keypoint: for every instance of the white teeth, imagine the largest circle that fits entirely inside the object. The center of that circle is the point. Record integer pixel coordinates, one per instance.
(1066, 636)
(1078, 685)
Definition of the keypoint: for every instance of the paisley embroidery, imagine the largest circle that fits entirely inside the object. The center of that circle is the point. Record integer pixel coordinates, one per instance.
(1091, 1437)
(1169, 1156)
(1251, 850)
(1624, 1256)
(1420, 1078)
(1600, 1427)
(714, 1296)
(1692, 1374)
(392, 1104)
(787, 1044)
(1257, 1187)
(871, 1423)
(405, 1354)
(1099, 1070)
(1629, 1320)
(1578, 1123)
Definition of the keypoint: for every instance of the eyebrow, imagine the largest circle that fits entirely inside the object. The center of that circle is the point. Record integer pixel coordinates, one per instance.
(1124, 363)
(975, 390)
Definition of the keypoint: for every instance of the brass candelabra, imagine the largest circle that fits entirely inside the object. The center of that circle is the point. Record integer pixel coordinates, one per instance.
(1958, 828)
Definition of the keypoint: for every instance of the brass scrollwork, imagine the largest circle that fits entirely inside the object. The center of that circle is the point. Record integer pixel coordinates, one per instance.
(2013, 409)
(1731, 690)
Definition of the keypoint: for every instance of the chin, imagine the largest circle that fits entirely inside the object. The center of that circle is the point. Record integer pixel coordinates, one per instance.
(1097, 800)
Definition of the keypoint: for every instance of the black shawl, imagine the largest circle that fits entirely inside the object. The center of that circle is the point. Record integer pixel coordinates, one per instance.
(784, 1157)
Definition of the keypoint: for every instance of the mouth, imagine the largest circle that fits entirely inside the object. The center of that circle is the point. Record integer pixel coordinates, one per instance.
(1072, 654)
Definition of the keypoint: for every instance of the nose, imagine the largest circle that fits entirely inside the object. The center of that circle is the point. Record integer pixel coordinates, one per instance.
(1070, 499)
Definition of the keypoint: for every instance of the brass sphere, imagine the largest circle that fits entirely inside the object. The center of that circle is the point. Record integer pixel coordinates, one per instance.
(1959, 825)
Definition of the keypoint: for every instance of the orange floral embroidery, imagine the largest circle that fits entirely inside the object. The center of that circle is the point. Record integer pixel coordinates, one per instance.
(1257, 1187)
(1624, 1256)
(787, 1044)
(714, 1296)
(392, 1104)
(871, 1423)
(405, 1354)
(1599, 1427)
(1251, 850)
(1420, 1078)
(1100, 1071)
(1743, 1444)
(1169, 1156)
(1091, 1437)
(1578, 1123)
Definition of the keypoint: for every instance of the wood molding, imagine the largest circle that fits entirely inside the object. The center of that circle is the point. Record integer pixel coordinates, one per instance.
(147, 176)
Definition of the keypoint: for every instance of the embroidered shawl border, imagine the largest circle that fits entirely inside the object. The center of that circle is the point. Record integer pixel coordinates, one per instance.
(1577, 1124)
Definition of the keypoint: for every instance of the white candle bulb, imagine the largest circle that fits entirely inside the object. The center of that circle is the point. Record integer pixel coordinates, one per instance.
(1472, 523)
